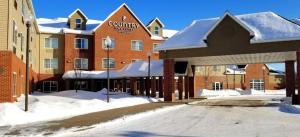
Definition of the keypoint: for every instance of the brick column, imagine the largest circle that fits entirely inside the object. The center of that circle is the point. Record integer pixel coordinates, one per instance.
(191, 83)
(298, 78)
(153, 87)
(289, 78)
(186, 87)
(160, 87)
(133, 86)
(169, 80)
(180, 87)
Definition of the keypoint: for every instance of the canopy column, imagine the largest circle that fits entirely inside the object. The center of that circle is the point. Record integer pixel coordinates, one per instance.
(124, 85)
(160, 87)
(298, 79)
(153, 87)
(133, 86)
(169, 94)
(191, 83)
(290, 79)
(186, 87)
(180, 87)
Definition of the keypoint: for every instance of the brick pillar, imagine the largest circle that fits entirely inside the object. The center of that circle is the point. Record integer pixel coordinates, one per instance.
(298, 78)
(191, 83)
(153, 87)
(133, 86)
(290, 78)
(186, 87)
(160, 87)
(124, 85)
(169, 80)
(180, 86)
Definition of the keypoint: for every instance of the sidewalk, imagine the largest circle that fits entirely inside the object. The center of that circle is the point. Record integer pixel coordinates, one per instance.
(86, 120)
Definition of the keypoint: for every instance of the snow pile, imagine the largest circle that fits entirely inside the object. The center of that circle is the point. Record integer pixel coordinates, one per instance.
(60, 105)
(266, 26)
(239, 92)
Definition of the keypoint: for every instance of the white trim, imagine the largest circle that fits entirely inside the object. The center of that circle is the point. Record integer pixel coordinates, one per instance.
(123, 5)
(136, 41)
(78, 10)
(156, 18)
(221, 19)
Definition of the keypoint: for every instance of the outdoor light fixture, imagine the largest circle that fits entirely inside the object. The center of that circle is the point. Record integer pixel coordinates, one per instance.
(108, 43)
(28, 21)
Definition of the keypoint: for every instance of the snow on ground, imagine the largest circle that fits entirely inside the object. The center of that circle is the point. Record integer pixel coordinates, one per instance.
(60, 105)
(194, 120)
(238, 92)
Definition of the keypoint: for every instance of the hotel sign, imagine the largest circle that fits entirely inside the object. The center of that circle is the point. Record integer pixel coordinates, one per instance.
(123, 26)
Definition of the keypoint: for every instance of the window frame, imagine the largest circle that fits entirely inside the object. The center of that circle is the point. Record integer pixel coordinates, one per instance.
(51, 63)
(51, 82)
(50, 43)
(78, 23)
(104, 63)
(82, 42)
(156, 32)
(103, 44)
(81, 63)
(259, 87)
(140, 49)
(217, 84)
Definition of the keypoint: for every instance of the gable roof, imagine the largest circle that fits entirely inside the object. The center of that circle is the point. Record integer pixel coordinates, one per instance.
(155, 19)
(266, 26)
(227, 14)
(78, 10)
(130, 11)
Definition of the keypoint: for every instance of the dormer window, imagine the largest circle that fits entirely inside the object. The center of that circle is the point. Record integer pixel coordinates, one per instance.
(78, 23)
(156, 30)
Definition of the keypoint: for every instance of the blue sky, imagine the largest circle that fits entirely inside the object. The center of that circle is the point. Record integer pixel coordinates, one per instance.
(175, 14)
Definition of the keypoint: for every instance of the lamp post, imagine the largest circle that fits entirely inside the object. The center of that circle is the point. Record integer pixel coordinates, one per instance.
(107, 43)
(28, 20)
(234, 68)
(264, 68)
(148, 79)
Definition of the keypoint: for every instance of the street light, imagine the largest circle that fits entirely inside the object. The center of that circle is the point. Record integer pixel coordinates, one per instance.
(107, 43)
(234, 67)
(148, 78)
(264, 68)
(28, 21)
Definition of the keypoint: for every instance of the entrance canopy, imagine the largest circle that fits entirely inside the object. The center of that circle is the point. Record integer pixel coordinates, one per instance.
(244, 39)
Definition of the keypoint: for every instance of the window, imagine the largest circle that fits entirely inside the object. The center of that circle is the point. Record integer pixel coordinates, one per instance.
(136, 45)
(156, 30)
(81, 85)
(51, 43)
(217, 85)
(154, 46)
(15, 35)
(14, 84)
(257, 84)
(78, 24)
(113, 44)
(112, 63)
(50, 86)
(51, 63)
(23, 8)
(81, 43)
(81, 63)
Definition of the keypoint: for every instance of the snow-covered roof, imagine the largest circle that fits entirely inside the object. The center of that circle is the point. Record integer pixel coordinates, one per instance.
(60, 25)
(231, 69)
(155, 19)
(135, 69)
(266, 27)
(78, 10)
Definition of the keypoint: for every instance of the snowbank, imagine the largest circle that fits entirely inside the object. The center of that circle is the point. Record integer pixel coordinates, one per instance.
(60, 105)
(239, 92)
